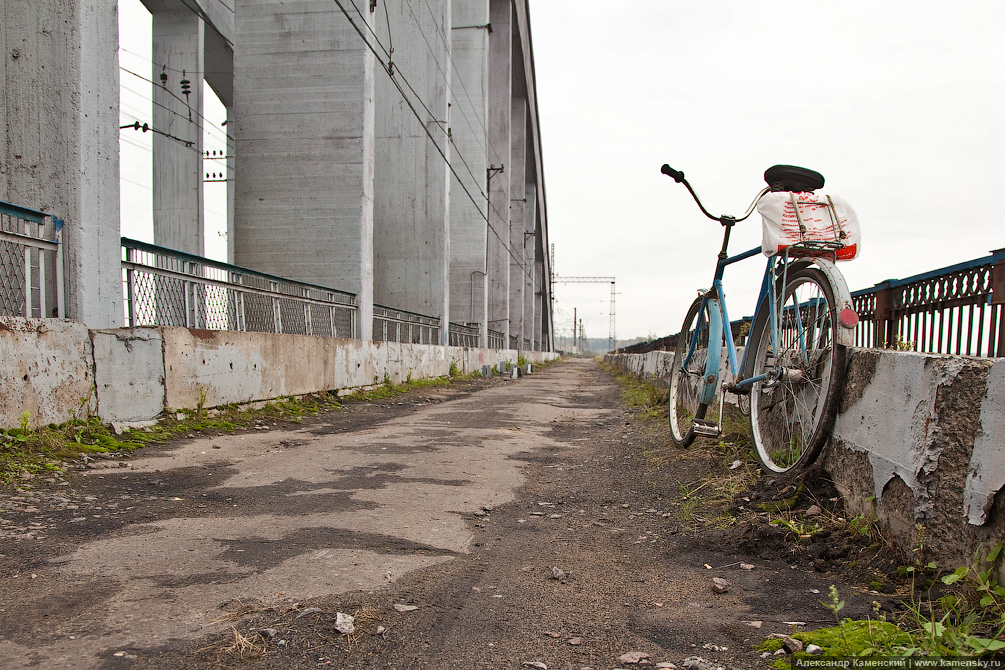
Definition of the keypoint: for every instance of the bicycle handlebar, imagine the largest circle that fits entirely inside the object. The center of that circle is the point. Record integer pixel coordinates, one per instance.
(724, 219)
(677, 175)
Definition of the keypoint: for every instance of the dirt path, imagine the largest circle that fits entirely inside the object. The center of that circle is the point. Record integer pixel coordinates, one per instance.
(519, 518)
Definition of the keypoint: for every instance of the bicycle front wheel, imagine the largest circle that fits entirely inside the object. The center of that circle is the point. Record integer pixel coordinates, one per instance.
(792, 410)
(687, 377)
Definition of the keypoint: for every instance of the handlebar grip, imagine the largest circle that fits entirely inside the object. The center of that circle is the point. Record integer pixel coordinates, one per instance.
(677, 175)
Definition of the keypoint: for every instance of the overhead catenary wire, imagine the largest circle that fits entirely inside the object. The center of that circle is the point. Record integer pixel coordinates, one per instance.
(439, 150)
(173, 95)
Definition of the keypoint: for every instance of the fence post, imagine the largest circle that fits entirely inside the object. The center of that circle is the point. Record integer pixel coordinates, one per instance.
(998, 298)
(885, 327)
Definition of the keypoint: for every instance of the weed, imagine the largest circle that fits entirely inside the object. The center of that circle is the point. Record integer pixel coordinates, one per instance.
(969, 621)
(455, 371)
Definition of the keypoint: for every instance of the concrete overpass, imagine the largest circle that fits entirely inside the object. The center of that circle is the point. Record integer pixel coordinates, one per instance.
(395, 155)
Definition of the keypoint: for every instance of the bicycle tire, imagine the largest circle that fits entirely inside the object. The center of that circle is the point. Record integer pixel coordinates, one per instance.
(791, 416)
(685, 385)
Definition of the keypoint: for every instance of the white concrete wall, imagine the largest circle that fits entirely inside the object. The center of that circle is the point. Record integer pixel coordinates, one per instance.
(919, 439)
(46, 370)
(54, 368)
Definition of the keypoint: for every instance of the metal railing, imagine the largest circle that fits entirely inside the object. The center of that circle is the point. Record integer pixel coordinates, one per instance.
(163, 287)
(497, 340)
(958, 309)
(396, 325)
(31, 263)
(464, 335)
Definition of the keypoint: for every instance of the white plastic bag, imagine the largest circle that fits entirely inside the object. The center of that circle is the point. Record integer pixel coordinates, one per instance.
(823, 218)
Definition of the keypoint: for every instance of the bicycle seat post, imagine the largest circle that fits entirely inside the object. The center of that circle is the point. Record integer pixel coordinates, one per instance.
(727, 222)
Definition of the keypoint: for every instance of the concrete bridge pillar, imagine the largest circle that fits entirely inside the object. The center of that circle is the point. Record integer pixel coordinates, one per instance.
(411, 233)
(499, 152)
(304, 131)
(517, 207)
(530, 301)
(469, 43)
(178, 56)
(61, 150)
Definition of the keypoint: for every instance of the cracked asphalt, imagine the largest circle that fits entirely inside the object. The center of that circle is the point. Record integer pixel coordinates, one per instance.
(460, 502)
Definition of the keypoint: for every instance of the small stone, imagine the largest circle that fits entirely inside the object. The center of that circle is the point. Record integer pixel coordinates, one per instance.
(746, 566)
(405, 608)
(380, 630)
(268, 633)
(666, 664)
(814, 650)
(575, 641)
(559, 574)
(551, 633)
(735, 464)
(479, 512)
(534, 664)
(309, 610)
(344, 623)
(633, 657)
(814, 510)
(754, 624)
(720, 585)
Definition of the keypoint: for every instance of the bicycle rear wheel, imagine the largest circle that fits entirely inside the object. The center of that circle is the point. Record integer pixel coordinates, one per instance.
(686, 381)
(792, 411)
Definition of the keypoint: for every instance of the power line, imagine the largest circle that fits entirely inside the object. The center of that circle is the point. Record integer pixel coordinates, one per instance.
(173, 95)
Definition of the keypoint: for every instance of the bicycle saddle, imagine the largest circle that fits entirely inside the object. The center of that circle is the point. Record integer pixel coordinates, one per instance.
(792, 178)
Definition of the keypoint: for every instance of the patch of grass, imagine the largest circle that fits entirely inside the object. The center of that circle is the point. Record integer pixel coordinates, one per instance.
(26, 453)
(640, 394)
(967, 621)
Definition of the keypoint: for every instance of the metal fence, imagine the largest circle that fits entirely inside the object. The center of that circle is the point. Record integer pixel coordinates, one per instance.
(464, 335)
(31, 263)
(396, 325)
(497, 340)
(958, 309)
(163, 287)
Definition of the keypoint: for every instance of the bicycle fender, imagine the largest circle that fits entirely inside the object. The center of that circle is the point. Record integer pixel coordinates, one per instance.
(714, 352)
(842, 296)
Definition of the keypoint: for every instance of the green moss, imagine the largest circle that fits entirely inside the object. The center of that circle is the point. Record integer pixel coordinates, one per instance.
(769, 644)
(859, 638)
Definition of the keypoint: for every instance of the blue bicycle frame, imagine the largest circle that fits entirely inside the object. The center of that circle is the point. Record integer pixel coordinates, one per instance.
(715, 301)
(719, 325)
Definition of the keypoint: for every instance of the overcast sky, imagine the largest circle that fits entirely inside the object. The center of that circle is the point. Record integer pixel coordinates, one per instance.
(898, 104)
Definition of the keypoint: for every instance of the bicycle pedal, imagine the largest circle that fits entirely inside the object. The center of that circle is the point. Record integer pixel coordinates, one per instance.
(706, 428)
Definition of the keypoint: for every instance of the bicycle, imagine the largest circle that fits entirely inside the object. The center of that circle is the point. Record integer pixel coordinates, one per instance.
(793, 365)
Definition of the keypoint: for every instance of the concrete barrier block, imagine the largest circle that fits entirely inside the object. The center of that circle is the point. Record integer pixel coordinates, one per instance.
(46, 370)
(986, 474)
(129, 373)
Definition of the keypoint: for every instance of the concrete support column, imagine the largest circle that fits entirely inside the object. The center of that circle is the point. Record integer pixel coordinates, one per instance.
(529, 277)
(517, 210)
(411, 223)
(499, 129)
(469, 45)
(178, 49)
(304, 130)
(60, 155)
